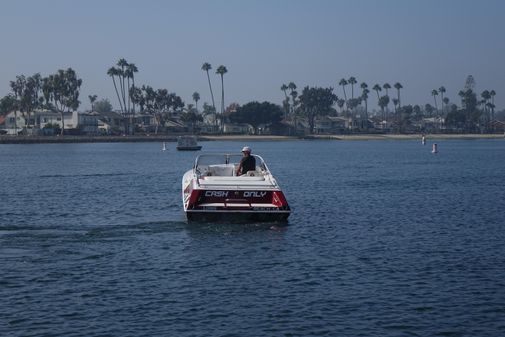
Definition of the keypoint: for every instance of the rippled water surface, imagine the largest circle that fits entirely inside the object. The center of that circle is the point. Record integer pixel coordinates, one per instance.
(386, 239)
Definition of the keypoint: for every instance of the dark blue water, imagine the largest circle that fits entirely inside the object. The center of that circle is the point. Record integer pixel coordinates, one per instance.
(386, 239)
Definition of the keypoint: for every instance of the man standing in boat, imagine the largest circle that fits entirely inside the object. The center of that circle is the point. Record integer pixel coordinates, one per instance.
(247, 163)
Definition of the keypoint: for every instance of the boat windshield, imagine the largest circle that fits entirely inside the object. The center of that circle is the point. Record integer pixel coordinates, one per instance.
(225, 159)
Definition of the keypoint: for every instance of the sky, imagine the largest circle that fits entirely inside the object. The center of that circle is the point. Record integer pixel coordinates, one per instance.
(423, 44)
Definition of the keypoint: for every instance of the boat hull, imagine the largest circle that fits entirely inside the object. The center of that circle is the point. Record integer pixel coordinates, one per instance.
(189, 148)
(236, 216)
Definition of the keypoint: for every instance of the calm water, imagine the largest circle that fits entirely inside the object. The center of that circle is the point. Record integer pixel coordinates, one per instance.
(386, 239)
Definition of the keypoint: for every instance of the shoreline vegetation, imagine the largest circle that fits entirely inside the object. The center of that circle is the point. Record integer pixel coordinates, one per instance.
(173, 138)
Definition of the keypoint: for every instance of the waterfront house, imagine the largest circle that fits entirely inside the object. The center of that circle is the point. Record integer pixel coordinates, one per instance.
(110, 123)
(87, 123)
(14, 123)
(237, 128)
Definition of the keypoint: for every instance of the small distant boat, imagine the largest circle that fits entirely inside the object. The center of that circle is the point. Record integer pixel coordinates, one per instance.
(164, 147)
(188, 143)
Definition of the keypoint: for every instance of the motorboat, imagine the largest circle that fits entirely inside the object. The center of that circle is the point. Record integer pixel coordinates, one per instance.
(188, 143)
(212, 191)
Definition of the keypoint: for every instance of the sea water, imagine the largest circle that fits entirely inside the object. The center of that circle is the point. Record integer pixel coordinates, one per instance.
(385, 239)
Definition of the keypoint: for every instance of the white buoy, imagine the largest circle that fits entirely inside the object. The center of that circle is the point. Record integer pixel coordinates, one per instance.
(435, 148)
(164, 147)
(423, 140)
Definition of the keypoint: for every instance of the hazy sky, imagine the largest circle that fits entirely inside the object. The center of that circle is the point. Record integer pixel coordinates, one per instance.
(422, 44)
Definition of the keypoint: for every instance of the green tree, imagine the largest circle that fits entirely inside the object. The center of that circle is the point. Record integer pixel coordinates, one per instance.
(364, 96)
(294, 94)
(417, 113)
(343, 82)
(316, 101)
(63, 88)
(493, 94)
(27, 91)
(256, 114)
(285, 103)
(92, 99)
(434, 93)
(383, 103)
(206, 67)
(456, 118)
(196, 98)
(486, 97)
(340, 104)
(191, 118)
(377, 89)
(102, 105)
(208, 109)
(405, 117)
(352, 81)
(398, 86)
(428, 108)
(386, 87)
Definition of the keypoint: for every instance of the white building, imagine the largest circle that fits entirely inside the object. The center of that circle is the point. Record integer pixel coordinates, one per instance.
(16, 122)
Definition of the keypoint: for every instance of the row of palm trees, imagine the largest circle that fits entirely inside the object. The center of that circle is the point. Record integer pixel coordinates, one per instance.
(350, 103)
(221, 70)
(383, 101)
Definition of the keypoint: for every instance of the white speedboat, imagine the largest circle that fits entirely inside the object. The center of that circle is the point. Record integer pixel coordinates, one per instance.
(212, 191)
(188, 143)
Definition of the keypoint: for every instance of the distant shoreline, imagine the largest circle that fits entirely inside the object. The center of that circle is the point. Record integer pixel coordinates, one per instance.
(173, 138)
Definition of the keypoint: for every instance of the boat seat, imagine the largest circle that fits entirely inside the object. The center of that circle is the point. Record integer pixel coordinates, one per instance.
(220, 171)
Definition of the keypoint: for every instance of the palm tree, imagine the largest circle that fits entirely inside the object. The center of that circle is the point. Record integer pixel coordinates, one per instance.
(386, 87)
(196, 98)
(398, 87)
(383, 103)
(442, 90)
(294, 94)
(130, 73)
(343, 82)
(364, 96)
(115, 72)
(492, 93)
(377, 88)
(284, 88)
(123, 64)
(340, 103)
(486, 96)
(434, 93)
(221, 70)
(92, 99)
(352, 81)
(395, 103)
(206, 67)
